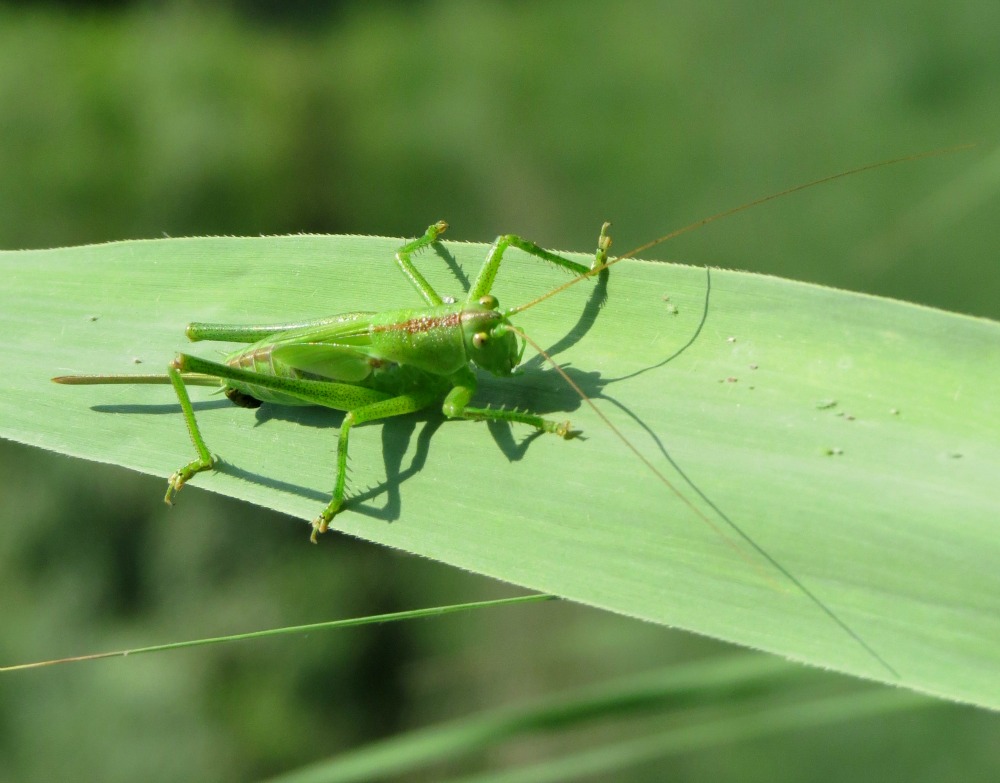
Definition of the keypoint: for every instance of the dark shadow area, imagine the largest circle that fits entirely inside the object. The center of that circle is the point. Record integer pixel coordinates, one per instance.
(456, 269)
(396, 435)
(160, 409)
(321, 498)
(588, 316)
(312, 416)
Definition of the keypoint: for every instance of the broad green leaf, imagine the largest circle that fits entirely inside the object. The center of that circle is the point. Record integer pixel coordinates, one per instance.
(855, 440)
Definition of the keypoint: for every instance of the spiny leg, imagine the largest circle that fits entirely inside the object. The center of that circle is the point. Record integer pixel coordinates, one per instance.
(406, 264)
(205, 460)
(560, 428)
(456, 407)
(329, 394)
(339, 396)
(487, 275)
(394, 406)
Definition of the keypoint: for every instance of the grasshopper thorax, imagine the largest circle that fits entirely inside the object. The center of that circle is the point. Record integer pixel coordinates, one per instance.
(489, 341)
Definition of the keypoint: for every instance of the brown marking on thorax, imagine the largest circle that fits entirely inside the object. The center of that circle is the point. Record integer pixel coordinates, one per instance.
(420, 324)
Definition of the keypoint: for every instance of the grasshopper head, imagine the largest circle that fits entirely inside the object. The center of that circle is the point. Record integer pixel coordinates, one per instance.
(489, 342)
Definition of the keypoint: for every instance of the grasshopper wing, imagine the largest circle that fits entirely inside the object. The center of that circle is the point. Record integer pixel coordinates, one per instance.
(335, 349)
(342, 363)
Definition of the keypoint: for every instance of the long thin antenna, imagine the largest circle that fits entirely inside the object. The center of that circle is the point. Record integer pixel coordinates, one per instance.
(732, 211)
(713, 525)
(597, 269)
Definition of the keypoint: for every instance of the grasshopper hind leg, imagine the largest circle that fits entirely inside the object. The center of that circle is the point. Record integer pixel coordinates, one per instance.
(205, 460)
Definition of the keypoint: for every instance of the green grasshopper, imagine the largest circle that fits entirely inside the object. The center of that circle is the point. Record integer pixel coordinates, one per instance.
(371, 365)
(377, 365)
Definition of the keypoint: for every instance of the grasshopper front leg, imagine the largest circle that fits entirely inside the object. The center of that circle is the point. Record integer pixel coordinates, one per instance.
(456, 407)
(488, 273)
(406, 263)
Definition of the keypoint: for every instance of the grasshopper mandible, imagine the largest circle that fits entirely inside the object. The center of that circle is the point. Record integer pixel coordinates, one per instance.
(370, 365)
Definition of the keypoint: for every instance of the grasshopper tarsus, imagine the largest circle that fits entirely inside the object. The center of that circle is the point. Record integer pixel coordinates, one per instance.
(321, 524)
(603, 245)
(182, 475)
(564, 430)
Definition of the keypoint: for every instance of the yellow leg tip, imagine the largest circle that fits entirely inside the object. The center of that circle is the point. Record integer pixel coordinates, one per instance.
(320, 525)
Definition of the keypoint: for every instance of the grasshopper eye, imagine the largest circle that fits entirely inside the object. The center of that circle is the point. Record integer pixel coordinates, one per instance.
(489, 302)
(479, 339)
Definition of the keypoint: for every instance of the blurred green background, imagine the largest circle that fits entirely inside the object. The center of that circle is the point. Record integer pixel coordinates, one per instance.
(129, 120)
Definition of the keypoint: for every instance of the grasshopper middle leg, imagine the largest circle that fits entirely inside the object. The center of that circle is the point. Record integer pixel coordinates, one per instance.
(384, 409)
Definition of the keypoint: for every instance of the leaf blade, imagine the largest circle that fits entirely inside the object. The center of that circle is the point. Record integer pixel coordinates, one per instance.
(853, 438)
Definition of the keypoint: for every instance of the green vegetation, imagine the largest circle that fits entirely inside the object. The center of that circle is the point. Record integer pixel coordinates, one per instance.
(544, 120)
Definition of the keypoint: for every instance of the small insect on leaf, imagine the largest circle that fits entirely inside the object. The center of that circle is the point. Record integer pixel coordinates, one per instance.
(373, 366)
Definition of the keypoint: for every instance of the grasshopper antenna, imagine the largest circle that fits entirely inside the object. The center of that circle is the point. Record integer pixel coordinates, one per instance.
(597, 269)
(600, 267)
(813, 598)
